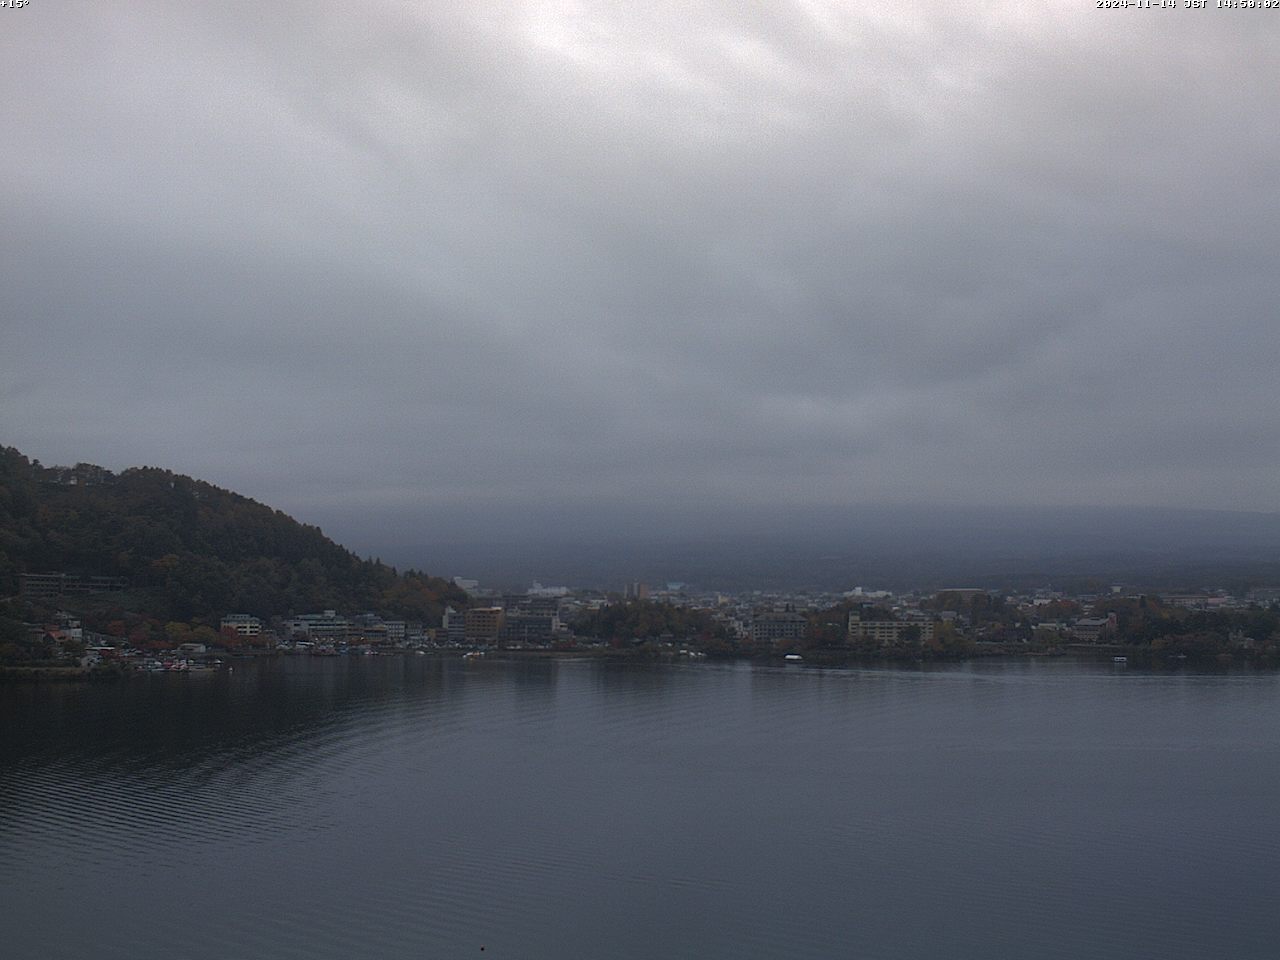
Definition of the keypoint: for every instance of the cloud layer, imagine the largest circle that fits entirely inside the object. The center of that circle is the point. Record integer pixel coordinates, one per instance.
(459, 263)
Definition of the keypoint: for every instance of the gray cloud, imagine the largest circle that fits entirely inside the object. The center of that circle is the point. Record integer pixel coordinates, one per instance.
(459, 263)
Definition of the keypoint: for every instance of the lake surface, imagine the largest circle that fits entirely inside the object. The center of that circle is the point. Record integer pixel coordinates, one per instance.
(397, 808)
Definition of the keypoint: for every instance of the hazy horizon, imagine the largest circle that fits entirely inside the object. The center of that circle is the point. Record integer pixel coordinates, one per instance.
(896, 546)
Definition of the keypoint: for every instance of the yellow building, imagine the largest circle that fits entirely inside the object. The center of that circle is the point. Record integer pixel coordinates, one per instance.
(887, 632)
(483, 624)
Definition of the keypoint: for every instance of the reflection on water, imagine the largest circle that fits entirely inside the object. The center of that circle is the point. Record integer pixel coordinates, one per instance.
(414, 807)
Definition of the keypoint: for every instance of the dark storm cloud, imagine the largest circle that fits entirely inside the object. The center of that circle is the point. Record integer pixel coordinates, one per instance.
(508, 258)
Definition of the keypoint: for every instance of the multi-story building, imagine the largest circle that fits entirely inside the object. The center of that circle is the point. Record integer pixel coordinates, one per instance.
(51, 586)
(320, 627)
(1194, 601)
(453, 625)
(1094, 629)
(483, 624)
(242, 625)
(888, 632)
(524, 626)
(777, 626)
(531, 617)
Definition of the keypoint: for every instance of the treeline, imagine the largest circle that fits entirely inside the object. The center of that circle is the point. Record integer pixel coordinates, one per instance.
(1143, 623)
(1146, 622)
(190, 551)
(646, 619)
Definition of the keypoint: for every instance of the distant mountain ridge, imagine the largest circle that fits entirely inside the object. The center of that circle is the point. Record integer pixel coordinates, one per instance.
(190, 550)
(898, 547)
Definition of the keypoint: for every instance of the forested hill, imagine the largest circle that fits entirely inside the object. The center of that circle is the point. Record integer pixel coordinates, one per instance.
(189, 550)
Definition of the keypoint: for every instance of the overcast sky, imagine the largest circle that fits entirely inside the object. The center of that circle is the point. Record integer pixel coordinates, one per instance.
(454, 263)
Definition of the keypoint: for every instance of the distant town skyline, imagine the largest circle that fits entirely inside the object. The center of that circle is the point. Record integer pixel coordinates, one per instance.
(458, 270)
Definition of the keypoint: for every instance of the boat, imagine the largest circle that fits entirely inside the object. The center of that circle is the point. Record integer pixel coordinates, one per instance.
(793, 657)
(1119, 659)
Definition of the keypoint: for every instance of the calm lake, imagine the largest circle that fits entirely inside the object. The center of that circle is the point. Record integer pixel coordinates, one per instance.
(424, 808)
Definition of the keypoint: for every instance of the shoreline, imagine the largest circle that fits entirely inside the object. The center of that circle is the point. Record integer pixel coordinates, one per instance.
(641, 654)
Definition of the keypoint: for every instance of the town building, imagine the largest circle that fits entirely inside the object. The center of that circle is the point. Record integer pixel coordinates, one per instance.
(778, 626)
(1094, 629)
(319, 627)
(241, 624)
(531, 617)
(52, 586)
(483, 624)
(888, 632)
(453, 625)
(1194, 601)
(525, 626)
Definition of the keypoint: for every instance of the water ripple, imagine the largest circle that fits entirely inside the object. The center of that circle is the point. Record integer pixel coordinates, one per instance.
(409, 809)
